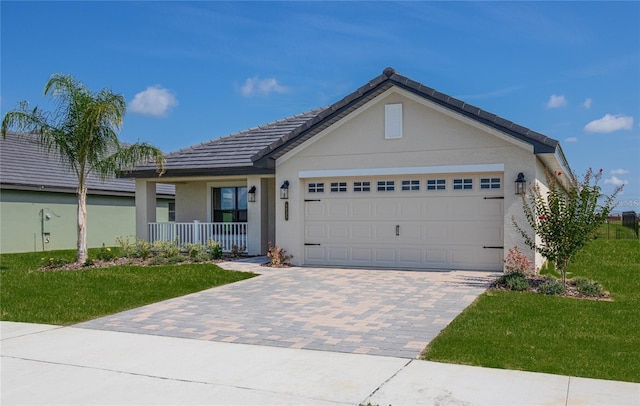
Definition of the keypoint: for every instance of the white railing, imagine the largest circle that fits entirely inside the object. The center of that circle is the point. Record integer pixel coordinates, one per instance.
(226, 234)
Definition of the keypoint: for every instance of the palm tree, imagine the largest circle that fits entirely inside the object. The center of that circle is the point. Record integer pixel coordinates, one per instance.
(82, 130)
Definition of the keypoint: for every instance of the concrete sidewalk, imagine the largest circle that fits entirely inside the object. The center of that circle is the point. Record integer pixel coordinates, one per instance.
(52, 365)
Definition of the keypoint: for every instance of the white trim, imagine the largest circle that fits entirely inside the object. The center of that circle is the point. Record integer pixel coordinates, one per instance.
(411, 170)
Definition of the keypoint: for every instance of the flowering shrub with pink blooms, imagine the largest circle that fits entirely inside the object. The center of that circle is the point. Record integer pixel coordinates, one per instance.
(517, 262)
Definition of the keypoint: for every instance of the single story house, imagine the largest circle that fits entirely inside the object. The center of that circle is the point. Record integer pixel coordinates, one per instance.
(38, 203)
(394, 175)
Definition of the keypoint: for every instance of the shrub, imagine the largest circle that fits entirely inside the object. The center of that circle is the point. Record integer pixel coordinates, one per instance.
(551, 286)
(196, 251)
(236, 251)
(165, 249)
(52, 262)
(105, 254)
(517, 262)
(213, 249)
(143, 249)
(514, 281)
(127, 249)
(588, 287)
(277, 255)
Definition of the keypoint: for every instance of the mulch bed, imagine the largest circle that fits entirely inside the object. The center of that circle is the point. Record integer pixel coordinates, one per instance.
(570, 289)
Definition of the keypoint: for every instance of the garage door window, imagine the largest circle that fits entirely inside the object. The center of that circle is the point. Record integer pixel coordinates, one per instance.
(462, 184)
(316, 187)
(410, 185)
(338, 186)
(436, 184)
(386, 186)
(490, 183)
(361, 186)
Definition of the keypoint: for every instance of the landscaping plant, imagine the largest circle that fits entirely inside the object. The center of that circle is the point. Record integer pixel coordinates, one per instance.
(82, 131)
(565, 220)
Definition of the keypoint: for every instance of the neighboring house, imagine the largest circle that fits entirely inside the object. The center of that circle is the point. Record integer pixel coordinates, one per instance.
(38, 203)
(395, 175)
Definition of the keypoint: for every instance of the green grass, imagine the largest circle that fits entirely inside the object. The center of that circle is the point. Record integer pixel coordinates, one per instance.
(68, 297)
(533, 332)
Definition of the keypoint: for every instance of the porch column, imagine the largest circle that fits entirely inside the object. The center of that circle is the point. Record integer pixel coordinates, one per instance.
(255, 216)
(145, 207)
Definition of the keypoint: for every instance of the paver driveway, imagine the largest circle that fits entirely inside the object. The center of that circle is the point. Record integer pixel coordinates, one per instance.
(378, 312)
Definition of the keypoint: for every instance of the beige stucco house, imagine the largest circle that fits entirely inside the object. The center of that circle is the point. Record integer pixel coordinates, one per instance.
(395, 175)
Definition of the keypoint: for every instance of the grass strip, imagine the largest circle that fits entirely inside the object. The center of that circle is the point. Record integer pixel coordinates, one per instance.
(68, 297)
(577, 337)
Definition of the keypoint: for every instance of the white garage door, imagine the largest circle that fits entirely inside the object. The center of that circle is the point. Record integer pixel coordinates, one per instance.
(416, 222)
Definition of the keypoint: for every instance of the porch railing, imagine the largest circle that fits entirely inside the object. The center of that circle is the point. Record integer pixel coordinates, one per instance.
(226, 234)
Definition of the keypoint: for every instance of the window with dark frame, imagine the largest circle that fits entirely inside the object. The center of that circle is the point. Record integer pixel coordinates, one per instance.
(463, 184)
(316, 187)
(362, 186)
(410, 185)
(338, 186)
(436, 184)
(172, 211)
(386, 186)
(490, 183)
(230, 204)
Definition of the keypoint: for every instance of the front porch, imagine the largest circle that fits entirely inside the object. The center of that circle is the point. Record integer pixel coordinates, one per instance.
(228, 235)
(235, 211)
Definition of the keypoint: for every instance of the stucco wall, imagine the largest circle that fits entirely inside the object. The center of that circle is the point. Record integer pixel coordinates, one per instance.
(22, 227)
(431, 137)
(191, 201)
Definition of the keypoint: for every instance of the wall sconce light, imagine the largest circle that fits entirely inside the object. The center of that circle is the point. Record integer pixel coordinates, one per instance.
(284, 190)
(251, 194)
(521, 184)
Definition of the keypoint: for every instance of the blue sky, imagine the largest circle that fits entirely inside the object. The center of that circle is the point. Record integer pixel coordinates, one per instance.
(193, 71)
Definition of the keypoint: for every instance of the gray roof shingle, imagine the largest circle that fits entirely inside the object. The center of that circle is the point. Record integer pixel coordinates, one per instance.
(255, 150)
(25, 165)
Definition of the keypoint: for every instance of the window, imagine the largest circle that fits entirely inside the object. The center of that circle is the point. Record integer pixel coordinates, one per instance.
(361, 186)
(490, 183)
(230, 204)
(436, 184)
(172, 211)
(386, 186)
(410, 185)
(338, 186)
(462, 184)
(393, 121)
(316, 187)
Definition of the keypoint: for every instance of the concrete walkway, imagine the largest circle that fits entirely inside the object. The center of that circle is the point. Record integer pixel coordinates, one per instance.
(50, 365)
(362, 311)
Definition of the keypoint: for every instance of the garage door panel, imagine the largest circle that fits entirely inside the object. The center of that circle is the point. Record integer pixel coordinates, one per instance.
(405, 229)
(315, 232)
(361, 254)
(338, 253)
(337, 209)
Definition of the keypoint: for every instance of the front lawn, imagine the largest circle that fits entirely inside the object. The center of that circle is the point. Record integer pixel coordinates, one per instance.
(67, 297)
(558, 335)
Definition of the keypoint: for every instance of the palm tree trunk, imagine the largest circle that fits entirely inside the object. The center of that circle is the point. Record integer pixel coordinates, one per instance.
(82, 223)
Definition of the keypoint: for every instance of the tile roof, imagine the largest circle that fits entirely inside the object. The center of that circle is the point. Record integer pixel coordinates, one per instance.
(255, 150)
(25, 165)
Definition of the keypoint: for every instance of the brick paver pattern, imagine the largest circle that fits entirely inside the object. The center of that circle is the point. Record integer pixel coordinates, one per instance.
(378, 312)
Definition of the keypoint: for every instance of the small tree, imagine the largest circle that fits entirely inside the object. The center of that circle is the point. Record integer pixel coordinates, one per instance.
(565, 220)
(82, 130)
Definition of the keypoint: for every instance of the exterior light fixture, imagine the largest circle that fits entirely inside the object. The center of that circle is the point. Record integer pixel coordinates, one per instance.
(251, 194)
(521, 183)
(284, 190)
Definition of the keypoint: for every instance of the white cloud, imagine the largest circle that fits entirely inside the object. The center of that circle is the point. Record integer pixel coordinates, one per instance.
(571, 139)
(619, 171)
(587, 103)
(154, 101)
(255, 85)
(556, 101)
(615, 181)
(610, 123)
